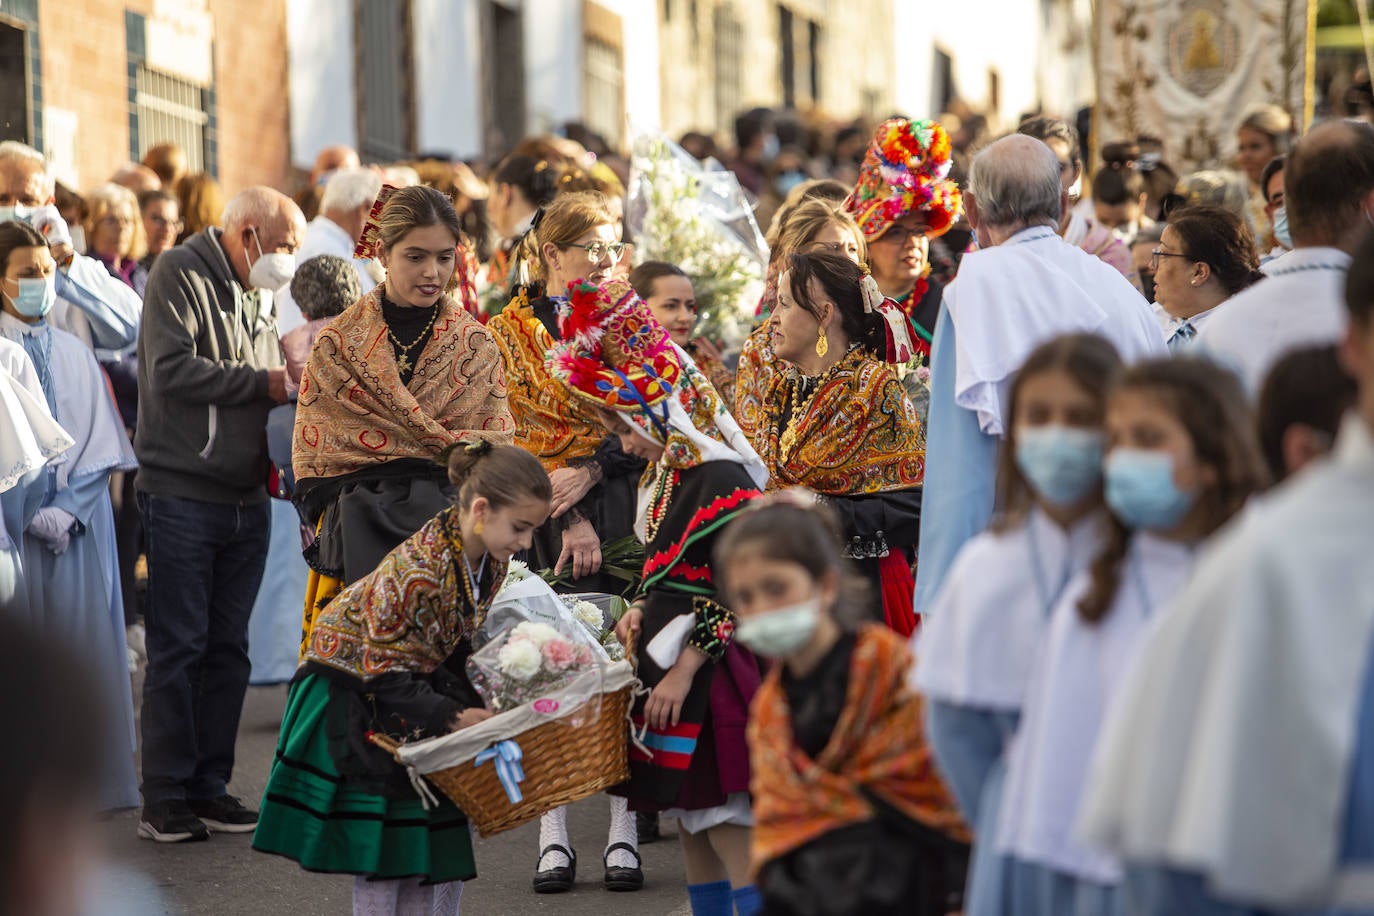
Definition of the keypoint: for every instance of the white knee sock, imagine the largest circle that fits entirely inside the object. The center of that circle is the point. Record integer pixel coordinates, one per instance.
(553, 829)
(447, 897)
(375, 898)
(416, 899)
(622, 831)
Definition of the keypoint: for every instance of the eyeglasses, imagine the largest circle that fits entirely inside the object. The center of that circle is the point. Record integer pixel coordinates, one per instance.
(598, 250)
(1161, 253)
(163, 222)
(112, 219)
(901, 234)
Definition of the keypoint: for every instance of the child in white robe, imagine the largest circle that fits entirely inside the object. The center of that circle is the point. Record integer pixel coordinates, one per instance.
(984, 630)
(1182, 459)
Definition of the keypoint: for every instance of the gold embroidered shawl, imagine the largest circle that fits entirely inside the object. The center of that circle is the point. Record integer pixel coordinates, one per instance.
(859, 432)
(551, 424)
(353, 412)
(410, 613)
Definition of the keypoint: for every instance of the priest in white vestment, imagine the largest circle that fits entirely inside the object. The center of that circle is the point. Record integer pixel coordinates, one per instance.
(1024, 286)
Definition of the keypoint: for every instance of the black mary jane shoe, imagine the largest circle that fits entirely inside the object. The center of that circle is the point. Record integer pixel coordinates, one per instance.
(557, 880)
(619, 878)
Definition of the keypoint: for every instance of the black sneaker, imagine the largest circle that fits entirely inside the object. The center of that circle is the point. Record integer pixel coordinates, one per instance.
(225, 814)
(171, 822)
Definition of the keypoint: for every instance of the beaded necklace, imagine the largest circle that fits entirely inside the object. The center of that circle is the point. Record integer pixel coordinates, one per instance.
(663, 496)
(799, 407)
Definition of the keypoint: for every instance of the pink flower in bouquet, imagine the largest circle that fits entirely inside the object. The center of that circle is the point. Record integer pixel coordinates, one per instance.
(559, 655)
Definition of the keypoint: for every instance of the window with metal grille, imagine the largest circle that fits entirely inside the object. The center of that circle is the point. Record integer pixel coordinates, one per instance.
(605, 90)
(386, 79)
(169, 109)
(729, 48)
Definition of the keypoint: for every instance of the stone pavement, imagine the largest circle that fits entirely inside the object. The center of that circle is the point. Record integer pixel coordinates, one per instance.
(225, 877)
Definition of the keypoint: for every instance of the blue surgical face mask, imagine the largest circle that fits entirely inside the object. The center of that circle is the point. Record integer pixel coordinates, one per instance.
(780, 633)
(1140, 489)
(35, 297)
(1281, 228)
(1062, 464)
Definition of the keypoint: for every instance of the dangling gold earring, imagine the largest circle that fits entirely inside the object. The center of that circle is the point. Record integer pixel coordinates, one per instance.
(478, 527)
(822, 344)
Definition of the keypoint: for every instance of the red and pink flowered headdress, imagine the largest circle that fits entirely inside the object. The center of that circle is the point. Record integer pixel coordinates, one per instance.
(905, 171)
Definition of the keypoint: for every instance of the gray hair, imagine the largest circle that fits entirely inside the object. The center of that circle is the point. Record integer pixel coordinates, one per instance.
(349, 189)
(259, 206)
(23, 154)
(325, 285)
(1015, 181)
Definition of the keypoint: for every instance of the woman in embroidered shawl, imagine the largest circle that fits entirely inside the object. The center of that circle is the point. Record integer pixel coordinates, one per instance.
(617, 359)
(401, 375)
(574, 238)
(839, 421)
(388, 655)
(850, 815)
(812, 225)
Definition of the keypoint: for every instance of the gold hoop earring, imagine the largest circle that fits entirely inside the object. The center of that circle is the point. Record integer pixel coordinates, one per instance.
(822, 344)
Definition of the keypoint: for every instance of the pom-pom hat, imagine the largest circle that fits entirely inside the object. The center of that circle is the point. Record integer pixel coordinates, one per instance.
(904, 172)
(614, 354)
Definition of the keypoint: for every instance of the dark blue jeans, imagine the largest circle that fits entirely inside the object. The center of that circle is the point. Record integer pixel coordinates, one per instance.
(205, 563)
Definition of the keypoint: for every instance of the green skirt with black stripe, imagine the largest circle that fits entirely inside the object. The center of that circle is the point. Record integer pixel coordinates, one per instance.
(315, 816)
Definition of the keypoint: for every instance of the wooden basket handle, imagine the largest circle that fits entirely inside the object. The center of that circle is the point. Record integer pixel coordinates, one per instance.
(385, 742)
(631, 650)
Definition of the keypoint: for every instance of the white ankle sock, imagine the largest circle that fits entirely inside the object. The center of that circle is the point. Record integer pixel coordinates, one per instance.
(622, 831)
(553, 829)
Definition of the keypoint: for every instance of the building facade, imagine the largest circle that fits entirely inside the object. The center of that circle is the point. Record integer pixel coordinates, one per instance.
(95, 83)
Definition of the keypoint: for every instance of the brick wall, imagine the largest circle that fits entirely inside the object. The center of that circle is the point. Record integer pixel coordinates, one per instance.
(85, 71)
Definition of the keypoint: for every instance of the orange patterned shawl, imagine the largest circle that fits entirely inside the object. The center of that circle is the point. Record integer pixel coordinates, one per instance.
(354, 413)
(753, 377)
(407, 615)
(878, 744)
(551, 424)
(858, 434)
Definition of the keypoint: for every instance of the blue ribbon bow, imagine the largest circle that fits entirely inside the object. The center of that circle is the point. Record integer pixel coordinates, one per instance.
(507, 755)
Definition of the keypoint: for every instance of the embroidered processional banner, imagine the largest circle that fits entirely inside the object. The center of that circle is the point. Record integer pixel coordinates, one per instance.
(1187, 71)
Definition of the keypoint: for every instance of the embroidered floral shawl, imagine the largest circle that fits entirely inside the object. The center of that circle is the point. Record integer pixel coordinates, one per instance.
(552, 424)
(753, 377)
(858, 434)
(878, 746)
(410, 613)
(354, 413)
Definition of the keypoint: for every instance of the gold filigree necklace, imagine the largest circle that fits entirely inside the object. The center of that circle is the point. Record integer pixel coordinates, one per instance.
(799, 406)
(403, 363)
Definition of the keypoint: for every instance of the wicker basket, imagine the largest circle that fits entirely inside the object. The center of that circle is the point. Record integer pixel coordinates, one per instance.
(562, 765)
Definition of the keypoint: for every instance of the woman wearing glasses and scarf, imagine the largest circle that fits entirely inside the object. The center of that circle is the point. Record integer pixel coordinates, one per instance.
(574, 239)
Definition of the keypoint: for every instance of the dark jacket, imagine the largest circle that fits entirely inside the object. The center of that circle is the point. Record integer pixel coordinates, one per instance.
(203, 361)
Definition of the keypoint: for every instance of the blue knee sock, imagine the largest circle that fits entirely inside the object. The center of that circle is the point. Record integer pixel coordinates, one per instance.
(710, 899)
(748, 900)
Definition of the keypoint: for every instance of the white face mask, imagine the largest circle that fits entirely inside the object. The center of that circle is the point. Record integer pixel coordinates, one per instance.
(79, 239)
(780, 633)
(18, 212)
(271, 271)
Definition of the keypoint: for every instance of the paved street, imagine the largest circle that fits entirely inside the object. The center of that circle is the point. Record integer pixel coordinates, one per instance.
(225, 877)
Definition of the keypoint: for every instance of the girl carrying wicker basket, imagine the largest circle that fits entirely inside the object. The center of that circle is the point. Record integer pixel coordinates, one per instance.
(388, 656)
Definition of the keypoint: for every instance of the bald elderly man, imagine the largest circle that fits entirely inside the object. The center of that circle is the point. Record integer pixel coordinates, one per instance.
(209, 370)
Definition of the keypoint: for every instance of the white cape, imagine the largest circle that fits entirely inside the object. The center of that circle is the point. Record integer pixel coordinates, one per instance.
(1228, 751)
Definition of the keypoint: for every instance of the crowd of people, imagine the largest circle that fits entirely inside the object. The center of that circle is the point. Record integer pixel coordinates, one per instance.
(974, 562)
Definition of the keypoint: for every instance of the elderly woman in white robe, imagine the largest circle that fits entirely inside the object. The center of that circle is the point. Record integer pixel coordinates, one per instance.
(67, 554)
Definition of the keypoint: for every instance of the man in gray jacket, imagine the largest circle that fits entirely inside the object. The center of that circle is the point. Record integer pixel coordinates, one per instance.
(209, 369)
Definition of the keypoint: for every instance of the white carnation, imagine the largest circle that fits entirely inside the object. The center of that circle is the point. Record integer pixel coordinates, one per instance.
(588, 613)
(537, 633)
(520, 659)
(518, 572)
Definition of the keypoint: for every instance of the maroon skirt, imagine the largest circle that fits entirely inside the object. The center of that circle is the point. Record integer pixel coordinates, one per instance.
(719, 762)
